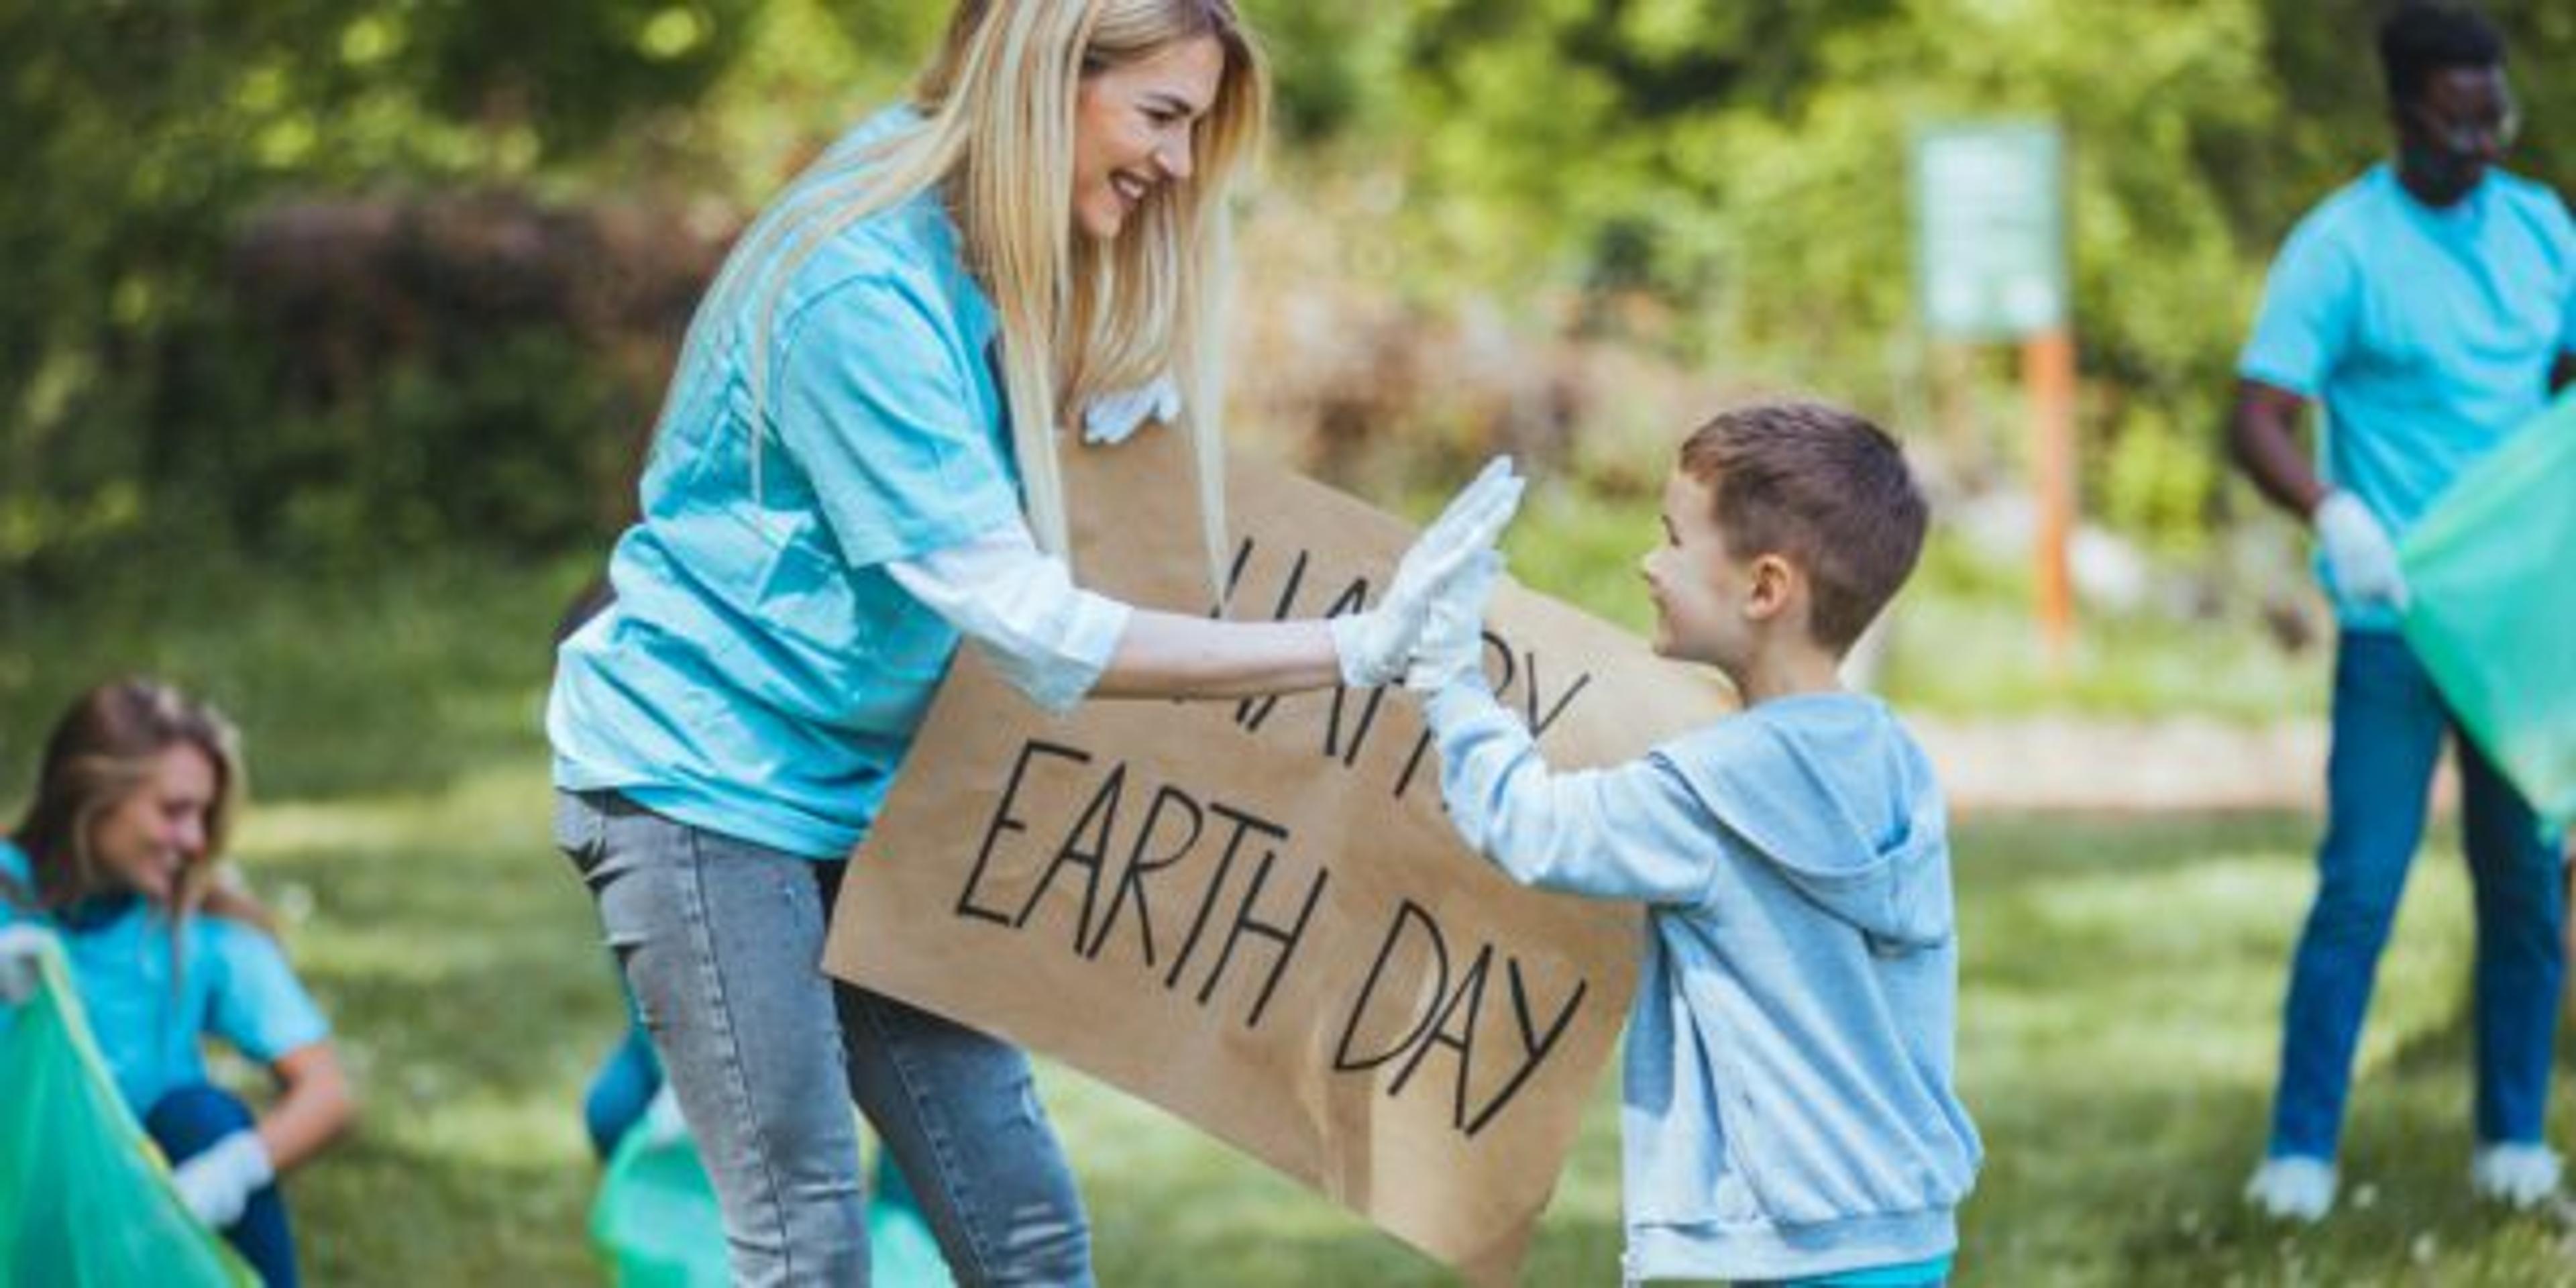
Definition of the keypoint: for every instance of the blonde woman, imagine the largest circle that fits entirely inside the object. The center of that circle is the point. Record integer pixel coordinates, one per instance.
(856, 467)
(117, 857)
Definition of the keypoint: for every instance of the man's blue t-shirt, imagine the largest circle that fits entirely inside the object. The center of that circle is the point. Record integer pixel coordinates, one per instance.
(2428, 333)
(148, 1015)
(761, 674)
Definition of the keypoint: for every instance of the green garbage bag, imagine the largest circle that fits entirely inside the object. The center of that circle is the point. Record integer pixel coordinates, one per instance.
(2491, 575)
(85, 1201)
(655, 1219)
(656, 1222)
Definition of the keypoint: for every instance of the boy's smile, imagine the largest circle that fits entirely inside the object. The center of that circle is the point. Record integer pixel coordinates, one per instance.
(1746, 616)
(1697, 586)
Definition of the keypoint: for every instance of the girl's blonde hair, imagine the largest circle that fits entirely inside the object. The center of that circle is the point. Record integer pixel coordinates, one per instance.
(102, 751)
(1078, 317)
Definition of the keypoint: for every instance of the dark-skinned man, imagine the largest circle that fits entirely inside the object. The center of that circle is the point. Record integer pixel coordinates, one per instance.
(2430, 306)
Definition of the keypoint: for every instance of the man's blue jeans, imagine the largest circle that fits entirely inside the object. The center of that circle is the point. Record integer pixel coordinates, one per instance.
(2389, 726)
(187, 1122)
(721, 941)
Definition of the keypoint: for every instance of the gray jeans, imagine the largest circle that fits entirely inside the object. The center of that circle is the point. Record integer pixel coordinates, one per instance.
(721, 941)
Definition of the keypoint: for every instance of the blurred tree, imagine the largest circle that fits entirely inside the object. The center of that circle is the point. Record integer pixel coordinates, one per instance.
(1743, 163)
(131, 396)
(1735, 167)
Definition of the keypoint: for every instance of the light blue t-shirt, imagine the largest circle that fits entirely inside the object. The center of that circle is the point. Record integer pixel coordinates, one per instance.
(236, 986)
(2428, 334)
(760, 674)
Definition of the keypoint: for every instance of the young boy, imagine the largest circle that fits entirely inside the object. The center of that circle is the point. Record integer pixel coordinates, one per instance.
(1789, 1114)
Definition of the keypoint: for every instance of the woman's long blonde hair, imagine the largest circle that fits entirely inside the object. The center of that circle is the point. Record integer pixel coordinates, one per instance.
(102, 751)
(1078, 317)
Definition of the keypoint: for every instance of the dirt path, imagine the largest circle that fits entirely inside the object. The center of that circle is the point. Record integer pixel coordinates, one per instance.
(2183, 763)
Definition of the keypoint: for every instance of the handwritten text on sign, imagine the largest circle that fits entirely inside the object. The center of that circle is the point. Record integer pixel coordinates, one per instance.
(1255, 914)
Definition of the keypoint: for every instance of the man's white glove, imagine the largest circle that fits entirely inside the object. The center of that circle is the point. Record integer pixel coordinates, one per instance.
(217, 1184)
(1453, 641)
(2359, 553)
(1113, 418)
(21, 962)
(1375, 645)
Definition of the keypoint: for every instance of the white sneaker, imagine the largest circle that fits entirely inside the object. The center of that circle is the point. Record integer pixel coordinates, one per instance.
(2518, 1176)
(2291, 1188)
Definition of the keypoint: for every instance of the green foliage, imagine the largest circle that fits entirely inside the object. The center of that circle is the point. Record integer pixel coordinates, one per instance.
(1716, 181)
(1336, 66)
(140, 391)
(2158, 479)
(2119, 981)
(1744, 164)
(489, 450)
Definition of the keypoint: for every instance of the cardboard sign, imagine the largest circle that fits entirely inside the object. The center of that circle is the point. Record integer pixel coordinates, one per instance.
(1255, 914)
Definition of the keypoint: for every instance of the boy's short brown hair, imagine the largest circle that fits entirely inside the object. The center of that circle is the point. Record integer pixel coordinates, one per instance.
(1826, 489)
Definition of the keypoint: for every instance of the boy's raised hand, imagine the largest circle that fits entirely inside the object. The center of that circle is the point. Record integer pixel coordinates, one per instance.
(1452, 646)
(1375, 646)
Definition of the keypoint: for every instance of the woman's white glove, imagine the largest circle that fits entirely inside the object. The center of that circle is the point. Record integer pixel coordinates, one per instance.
(1374, 646)
(1452, 647)
(2359, 553)
(1114, 418)
(217, 1184)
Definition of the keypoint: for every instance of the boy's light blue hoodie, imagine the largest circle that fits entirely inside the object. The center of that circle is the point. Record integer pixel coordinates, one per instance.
(1789, 1107)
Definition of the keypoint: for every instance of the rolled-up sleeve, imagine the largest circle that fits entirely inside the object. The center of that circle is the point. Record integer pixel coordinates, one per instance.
(1019, 607)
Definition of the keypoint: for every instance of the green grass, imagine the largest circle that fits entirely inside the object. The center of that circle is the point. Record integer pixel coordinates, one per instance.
(457, 957)
(2121, 980)
(402, 681)
(2119, 1022)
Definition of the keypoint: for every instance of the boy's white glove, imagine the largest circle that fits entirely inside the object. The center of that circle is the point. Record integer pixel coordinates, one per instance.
(1453, 642)
(2359, 553)
(217, 1184)
(1114, 418)
(21, 962)
(1374, 646)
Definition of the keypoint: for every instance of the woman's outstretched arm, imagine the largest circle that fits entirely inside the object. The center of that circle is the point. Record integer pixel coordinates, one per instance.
(1168, 655)
(1057, 643)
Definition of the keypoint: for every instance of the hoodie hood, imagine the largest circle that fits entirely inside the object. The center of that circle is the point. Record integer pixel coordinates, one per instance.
(1844, 806)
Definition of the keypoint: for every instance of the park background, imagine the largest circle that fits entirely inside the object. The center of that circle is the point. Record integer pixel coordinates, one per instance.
(330, 331)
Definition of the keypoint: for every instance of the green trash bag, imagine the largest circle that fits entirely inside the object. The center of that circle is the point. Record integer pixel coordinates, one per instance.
(656, 1221)
(2491, 576)
(85, 1201)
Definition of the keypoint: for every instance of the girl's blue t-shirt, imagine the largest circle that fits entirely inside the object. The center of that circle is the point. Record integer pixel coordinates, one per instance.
(150, 1017)
(761, 675)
